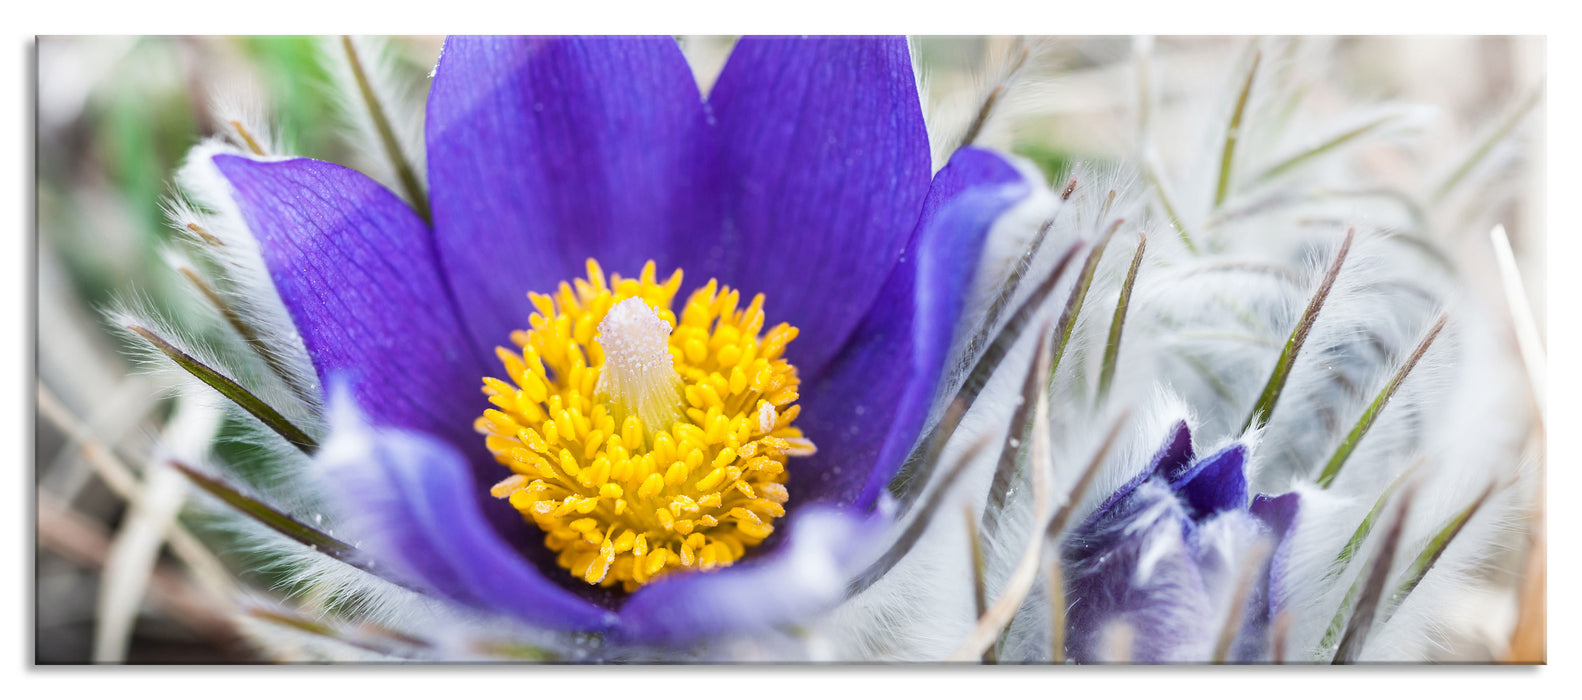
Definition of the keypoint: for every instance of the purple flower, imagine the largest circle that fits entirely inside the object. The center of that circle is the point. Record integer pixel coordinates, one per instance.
(804, 175)
(1174, 556)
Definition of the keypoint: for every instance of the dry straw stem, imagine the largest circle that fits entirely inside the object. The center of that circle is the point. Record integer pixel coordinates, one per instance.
(85, 542)
(1528, 642)
(206, 569)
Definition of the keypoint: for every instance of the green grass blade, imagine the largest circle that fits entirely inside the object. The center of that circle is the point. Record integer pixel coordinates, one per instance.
(270, 517)
(1433, 550)
(1013, 281)
(1354, 544)
(1156, 180)
(1002, 86)
(1470, 161)
(1339, 141)
(917, 525)
(1233, 132)
(980, 583)
(1349, 445)
(1361, 604)
(1112, 349)
(920, 463)
(1293, 346)
(1018, 441)
(1079, 293)
(228, 388)
(387, 137)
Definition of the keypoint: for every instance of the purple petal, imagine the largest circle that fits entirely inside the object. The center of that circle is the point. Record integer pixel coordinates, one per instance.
(865, 412)
(543, 152)
(805, 575)
(1221, 546)
(1137, 571)
(824, 164)
(1215, 483)
(1173, 456)
(410, 501)
(356, 269)
(1279, 514)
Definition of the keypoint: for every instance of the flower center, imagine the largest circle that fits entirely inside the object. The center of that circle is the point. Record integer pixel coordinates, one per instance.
(641, 444)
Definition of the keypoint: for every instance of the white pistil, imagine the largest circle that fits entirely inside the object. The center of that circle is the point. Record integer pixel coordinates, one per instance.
(639, 374)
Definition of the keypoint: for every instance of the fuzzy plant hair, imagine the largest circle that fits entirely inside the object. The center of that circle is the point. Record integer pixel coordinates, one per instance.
(1260, 296)
(1272, 297)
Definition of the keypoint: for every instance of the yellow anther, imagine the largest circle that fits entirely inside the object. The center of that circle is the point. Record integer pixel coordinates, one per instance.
(644, 438)
(651, 486)
(509, 485)
(712, 481)
(632, 433)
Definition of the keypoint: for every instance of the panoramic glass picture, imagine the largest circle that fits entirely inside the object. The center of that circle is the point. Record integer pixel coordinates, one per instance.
(814, 350)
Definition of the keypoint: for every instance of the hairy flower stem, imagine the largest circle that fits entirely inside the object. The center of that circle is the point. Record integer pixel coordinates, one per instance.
(228, 388)
(1282, 367)
(1349, 445)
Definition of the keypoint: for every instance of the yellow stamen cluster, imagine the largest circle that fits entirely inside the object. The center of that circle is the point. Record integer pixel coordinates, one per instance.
(619, 497)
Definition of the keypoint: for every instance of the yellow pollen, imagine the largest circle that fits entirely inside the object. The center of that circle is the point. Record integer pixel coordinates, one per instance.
(639, 442)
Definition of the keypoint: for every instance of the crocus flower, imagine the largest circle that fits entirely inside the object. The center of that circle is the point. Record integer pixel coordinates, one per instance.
(1166, 556)
(632, 440)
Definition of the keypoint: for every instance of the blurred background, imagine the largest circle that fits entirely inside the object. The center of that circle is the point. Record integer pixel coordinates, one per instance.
(116, 115)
